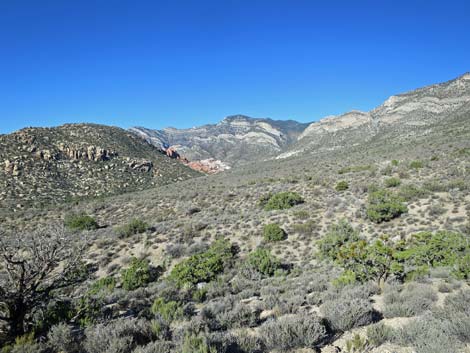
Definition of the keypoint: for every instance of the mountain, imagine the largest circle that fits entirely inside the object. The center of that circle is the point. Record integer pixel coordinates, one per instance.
(43, 165)
(400, 117)
(235, 140)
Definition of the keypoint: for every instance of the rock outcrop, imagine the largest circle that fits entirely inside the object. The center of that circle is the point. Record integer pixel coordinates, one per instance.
(234, 141)
(52, 165)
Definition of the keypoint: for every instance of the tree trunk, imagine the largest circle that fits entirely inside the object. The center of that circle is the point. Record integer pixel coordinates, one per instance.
(17, 316)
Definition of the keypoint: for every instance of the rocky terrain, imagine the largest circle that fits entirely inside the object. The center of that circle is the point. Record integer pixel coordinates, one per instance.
(234, 141)
(400, 117)
(356, 241)
(53, 165)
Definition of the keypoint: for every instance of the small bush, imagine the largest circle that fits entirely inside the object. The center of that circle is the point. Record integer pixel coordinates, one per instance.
(80, 221)
(392, 182)
(345, 314)
(136, 226)
(384, 206)
(290, 332)
(263, 262)
(272, 232)
(121, 335)
(412, 300)
(342, 186)
(167, 310)
(61, 338)
(283, 200)
(137, 275)
(416, 164)
(203, 267)
(379, 333)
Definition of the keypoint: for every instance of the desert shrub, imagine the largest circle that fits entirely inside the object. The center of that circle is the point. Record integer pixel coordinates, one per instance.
(197, 344)
(293, 331)
(272, 232)
(167, 310)
(342, 186)
(227, 313)
(427, 334)
(203, 267)
(283, 200)
(305, 228)
(394, 162)
(248, 342)
(439, 249)
(135, 226)
(378, 334)
(411, 192)
(121, 335)
(136, 275)
(416, 164)
(458, 302)
(384, 205)
(156, 347)
(355, 169)
(89, 309)
(392, 182)
(262, 261)
(104, 285)
(345, 314)
(338, 234)
(407, 301)
(80, 221)
(61, 338)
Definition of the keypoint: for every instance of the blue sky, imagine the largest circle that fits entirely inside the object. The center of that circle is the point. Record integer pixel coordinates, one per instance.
(186, 63)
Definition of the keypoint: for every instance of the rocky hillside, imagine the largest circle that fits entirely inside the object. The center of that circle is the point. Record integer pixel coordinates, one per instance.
(43, 165)
(400, 117)
(234, 141)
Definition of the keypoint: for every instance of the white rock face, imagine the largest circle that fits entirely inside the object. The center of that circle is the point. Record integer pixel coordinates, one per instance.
(408, 112)
(234, 140)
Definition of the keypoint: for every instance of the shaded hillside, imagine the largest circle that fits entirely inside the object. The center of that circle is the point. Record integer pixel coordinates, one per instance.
(44, 165)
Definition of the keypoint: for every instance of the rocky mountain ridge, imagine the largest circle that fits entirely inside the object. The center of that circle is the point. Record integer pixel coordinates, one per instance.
(44, 165)
(233, 141)
(399, 117)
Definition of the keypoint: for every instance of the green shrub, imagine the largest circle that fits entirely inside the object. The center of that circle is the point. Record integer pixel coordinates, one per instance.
(272, 232)
(394, 162)
(196, 344)
(283, 200)
(338, 234)
(104, 285)
(439, 249)
(167, 310)
(383, 206)
(263, 262)
(137, 275)
(80, 221)
(136, 226)
(205, 266)
(392, 182)
(411, 192)
(416, 164)
(342, 185)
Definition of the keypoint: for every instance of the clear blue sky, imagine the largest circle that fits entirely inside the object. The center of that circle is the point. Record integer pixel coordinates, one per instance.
(184, 63)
